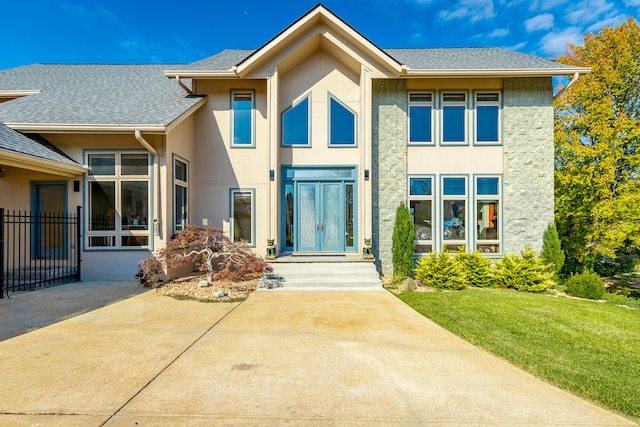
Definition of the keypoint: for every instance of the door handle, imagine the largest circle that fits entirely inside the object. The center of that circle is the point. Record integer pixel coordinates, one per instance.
(321, 225)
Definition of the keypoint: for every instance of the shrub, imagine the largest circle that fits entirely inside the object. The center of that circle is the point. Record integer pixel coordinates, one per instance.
(477, 268)
(552, 252)
(525, 272)
(211, 250)
(402, 247)
(586, 285)
(440, 271)
(608, 266)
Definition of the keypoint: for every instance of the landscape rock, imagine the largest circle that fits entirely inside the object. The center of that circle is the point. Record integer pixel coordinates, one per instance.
(407, 285)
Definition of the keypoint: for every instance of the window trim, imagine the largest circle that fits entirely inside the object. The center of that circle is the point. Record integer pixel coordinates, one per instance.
(441, 108)
(499, 104)
(185, 184)
(431, 104)
(252, 191)
(232, 94)
(298, 101)
(442, 199)
(117, 178)
(330, 97)
(500, 198)
(434, 219)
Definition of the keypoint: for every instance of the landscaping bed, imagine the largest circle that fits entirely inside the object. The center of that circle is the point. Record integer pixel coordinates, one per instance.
(190, 287)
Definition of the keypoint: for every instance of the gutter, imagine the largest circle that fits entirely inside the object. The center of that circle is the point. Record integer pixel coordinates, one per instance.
(574, 79)
(25, 161)
(183, 86)
(150, 149)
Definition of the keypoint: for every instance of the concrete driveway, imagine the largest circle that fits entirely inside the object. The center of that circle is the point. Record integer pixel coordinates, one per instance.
(281, 357)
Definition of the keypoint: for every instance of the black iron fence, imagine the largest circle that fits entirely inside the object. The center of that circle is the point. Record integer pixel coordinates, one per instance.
(38, 249)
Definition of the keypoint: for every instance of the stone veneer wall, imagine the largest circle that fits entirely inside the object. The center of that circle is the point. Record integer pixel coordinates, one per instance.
(528, 161)
(389, 164)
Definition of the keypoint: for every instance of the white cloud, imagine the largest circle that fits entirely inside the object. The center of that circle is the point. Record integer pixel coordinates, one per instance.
(632, 3)
(588, 10)
(499, 32)
(475, 10)
(539, 22)
(539, 5)
(614, 20)
(555, 43)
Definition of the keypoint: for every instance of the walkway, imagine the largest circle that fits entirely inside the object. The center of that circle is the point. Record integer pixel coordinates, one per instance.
(295, 357)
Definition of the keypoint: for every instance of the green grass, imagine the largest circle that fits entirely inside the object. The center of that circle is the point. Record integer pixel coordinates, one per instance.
(589, 348)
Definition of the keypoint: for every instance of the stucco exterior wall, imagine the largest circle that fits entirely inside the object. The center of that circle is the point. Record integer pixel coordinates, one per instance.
(389, 164)
(528, 161)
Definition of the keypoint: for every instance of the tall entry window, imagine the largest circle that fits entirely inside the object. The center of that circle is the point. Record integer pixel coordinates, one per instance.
(118, 200)
(243, 118)
(243, 215)
(180, 194)
(296, 124)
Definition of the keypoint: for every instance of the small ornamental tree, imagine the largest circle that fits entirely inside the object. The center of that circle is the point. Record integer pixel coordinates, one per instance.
(552, 252)
(211, 250)
(402, 246)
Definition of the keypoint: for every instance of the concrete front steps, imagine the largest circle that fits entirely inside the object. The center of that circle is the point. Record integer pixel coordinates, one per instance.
(321, 273)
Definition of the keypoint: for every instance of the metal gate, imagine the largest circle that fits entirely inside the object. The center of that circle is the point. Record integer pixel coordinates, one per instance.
(38, 249)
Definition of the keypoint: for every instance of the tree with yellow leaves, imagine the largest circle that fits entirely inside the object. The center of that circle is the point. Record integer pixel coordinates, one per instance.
(597, 138)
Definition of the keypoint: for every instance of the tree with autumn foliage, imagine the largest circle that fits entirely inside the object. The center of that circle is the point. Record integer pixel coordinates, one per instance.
(597, 134)
(211, 250)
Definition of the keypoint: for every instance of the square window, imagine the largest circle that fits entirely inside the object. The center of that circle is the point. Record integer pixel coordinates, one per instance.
(420, 186)
(454, 186)
(134, 164)
(487, 186)
(102, 164)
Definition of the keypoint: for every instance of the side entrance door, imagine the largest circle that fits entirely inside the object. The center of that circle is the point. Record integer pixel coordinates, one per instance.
(50, 231)
(321, 222)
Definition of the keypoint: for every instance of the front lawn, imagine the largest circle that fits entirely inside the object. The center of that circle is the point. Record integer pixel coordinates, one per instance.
(589, 348)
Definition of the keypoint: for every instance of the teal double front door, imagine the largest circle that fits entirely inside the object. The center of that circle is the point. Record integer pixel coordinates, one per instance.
(319, 209)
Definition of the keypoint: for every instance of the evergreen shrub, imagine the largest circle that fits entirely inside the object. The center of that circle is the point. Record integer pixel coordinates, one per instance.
(477, 268)
(552, 252)
(440, 271)
(586, 285)
(526, 272)
(402, 246)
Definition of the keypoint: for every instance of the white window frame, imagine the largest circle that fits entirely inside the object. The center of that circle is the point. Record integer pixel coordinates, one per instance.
(413, 99)
(118, 178)
(498, 211)
(232, 193)
(452, 245)
(434, 229)
(487, 103)
(444, 103)
(244, 93)
(182, 184)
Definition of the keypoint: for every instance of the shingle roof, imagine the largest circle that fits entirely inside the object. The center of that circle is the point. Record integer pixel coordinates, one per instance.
(417, 59)
(470, 59)
(94, 94)
(33, 146)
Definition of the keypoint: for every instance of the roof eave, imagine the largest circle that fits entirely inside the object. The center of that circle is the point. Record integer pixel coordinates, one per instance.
(86, 128)
(199, 74)
(512, 72)
(25, 161)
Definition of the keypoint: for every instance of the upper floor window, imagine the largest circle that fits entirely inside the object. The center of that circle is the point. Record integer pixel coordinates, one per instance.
(454, 117)
(296, 124)
(420, 118)
(342, 123)
(242, 117)
(487, 106)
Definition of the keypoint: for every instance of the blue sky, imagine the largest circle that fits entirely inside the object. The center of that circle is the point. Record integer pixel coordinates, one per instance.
(160, 31)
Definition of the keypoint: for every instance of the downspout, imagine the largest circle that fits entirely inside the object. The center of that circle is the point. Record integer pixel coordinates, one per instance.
(183, 86)
(150, 149)
(574, 79)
